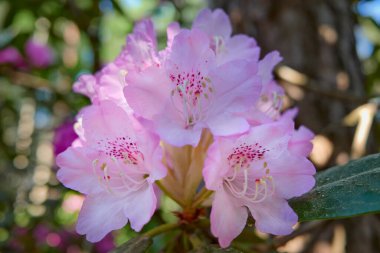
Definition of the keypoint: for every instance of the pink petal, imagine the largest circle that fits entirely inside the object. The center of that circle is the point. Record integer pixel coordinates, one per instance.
(231, 75)
(76, 170)
(172, 30)
(100, 215)
(172, 130)
(213, 172)
(237, 48)
(228, 219)
(290, 186)
(295, 165)
(140, 206)
(190, 50)
(148, 91)
(273, 136)
(267, 64)
(289, 114)
(86, 85)
(293, 177)
(273, 216)
(214, 23)
(141, 49)
(226, 124)
(300, 143)
(106, 120)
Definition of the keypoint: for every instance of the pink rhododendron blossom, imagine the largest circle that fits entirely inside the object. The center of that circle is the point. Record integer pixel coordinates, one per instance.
(115, 166)
(108, 83)
(141, 48)
(217, 26)
(269, 105)
(188, 91)
(39, 55)
(255, 173)
(206, 86)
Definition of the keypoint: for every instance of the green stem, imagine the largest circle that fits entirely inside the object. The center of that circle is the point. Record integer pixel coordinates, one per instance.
(168, 193)
(203, 195)
(161, 229)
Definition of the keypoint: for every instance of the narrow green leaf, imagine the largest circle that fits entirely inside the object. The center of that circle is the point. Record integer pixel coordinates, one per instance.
(136, 245)
(342, 191)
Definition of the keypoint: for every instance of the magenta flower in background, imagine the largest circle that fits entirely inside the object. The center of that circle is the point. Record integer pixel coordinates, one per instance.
(12, 56)
(257, 172)
(38, 54)
(105, 245)
(115, 167)
(64, 135)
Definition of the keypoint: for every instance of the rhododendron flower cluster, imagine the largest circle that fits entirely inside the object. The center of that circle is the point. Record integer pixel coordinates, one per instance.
(202, 115)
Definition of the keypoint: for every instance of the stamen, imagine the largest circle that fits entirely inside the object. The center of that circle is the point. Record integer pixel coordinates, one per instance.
(191, 96)
(122, 74)
(240, 162)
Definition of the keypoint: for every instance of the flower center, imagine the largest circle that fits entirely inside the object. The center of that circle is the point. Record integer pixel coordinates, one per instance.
(113, 174)
(253, 185)
(122, 148)
(191, 96)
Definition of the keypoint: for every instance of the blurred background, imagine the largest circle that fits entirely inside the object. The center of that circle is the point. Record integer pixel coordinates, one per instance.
(331, 71)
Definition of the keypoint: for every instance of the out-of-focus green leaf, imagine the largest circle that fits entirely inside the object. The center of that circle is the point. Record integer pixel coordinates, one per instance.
(136, 245)
(214, 249)
(343, 191)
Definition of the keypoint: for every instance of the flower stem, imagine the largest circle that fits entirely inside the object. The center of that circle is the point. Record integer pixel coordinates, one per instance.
(161, 229)
(203, 195)
(168, 193)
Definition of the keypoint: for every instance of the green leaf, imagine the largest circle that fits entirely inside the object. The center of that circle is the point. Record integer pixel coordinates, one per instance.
(214, 249)
(136, 245)
(342, 191)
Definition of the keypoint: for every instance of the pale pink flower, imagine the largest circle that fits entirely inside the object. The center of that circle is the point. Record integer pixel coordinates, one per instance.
(106, 84)
(115, 167)
(188, 91)
(139, 53)
(255, 173)
(269, 106)
(141, 47)
(217, 26)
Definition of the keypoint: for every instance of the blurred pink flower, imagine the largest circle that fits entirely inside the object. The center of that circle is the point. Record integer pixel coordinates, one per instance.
(39, 55)
(115, 166)
(64, 135)
(12, 56)
(105, 245)
(73, 203)
(257, 172)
